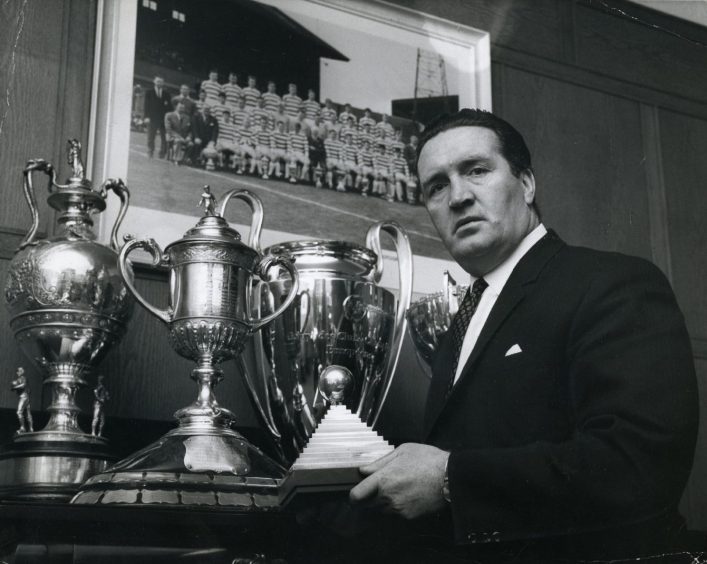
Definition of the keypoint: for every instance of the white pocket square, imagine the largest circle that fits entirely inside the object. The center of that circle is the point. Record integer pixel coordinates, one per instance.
(515, 349)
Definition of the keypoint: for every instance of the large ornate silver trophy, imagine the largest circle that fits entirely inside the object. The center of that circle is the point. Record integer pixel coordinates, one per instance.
(340, 316)
(430, 317)
(68, 305)
(203, 461)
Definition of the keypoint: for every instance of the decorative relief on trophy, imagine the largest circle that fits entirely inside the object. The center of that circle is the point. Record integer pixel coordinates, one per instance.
(208, 320)
(339, 316)
(68, 305)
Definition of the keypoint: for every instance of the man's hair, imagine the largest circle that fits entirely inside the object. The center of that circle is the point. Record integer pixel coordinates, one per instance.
(511, 143)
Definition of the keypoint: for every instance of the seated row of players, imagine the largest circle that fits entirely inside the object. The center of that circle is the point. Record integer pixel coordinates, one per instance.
(264, 147)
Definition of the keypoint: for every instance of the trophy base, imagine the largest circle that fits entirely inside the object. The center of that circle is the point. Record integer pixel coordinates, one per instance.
(49, 466)
(187, 467)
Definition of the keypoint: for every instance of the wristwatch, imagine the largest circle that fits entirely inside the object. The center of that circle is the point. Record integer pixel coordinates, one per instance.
(445, 483)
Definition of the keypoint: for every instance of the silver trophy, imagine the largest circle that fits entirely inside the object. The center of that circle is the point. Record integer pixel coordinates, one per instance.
(340, 316)
(68, 305)
(430, 318)
(203, 461)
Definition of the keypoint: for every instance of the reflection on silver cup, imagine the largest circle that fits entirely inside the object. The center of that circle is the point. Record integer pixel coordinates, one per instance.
(340, 315)
(430, 317)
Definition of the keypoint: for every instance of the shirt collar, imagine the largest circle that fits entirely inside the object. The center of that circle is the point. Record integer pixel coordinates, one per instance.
(498, 277)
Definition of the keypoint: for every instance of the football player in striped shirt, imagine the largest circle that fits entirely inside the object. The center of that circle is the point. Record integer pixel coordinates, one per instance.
(260, 115)
(280, 116)
(346, 115)
(211, 87)
(397, 142)
(240, 115)
(233, 92)
(350, 154)
(366, 120)
(220, 107)
(297, 159)
(400, 175)
(278, 150)
(329, 115)
(384, 128)
(381, 172)
(263, 142)
(365, 160)
(311, 108)
(349, 129)
(271, 98)
(365, 136)
(293, 103)
(251, 93)
(227, 137)
(334, 162)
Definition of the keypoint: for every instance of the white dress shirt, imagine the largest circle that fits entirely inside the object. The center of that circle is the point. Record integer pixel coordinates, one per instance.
(496, 280)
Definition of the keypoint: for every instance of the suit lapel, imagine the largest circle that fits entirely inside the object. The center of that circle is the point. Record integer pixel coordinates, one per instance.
(524, 274)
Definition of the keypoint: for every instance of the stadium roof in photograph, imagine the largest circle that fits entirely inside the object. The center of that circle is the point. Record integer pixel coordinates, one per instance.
(240, 35)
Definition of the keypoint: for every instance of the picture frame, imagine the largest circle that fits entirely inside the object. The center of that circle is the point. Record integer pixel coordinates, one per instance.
(465, 50)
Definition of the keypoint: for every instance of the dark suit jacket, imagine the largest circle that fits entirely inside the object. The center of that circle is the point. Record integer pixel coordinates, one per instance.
(156, 108)
(205, 129)
(589, 432)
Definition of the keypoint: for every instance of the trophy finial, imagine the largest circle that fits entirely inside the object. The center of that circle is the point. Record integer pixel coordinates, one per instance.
(335, 382)
(208, 201)
(74, 159)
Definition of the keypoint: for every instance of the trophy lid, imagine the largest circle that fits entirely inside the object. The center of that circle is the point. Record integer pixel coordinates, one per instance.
(78, 189)
(212, 227)
(337, 257)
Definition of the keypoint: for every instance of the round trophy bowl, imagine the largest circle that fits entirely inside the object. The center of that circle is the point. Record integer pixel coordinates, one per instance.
(340, 315)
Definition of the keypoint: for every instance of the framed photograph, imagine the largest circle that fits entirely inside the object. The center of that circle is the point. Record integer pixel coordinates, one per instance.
(357, 78)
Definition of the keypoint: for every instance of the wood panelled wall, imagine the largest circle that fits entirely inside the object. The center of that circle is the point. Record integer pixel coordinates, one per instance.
(612, 100)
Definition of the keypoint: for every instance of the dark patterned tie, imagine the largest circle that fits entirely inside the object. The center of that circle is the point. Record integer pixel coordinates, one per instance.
(461, 322)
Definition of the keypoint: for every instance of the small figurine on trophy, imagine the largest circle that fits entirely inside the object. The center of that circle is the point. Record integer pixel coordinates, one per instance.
(100, 397)
(208, 202)
(24, 415)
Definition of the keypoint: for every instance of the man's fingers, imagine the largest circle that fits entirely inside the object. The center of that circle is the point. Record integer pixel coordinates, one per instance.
(376, 465)
(365, 490)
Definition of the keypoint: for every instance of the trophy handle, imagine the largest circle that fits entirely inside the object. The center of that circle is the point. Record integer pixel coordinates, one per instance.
(404, 252)
(153, 248)
(33, 165)
(256, 222)
(261, 270)
(121, 190)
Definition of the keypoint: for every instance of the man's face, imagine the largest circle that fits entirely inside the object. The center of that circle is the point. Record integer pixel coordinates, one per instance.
(480, 209)
(213, 76)
(159, 83)
(207, 111)
(251, 82)
(180, 108)
(310, 95)
(292, 88)
(184, 91)
(232, 78)
(271, 87)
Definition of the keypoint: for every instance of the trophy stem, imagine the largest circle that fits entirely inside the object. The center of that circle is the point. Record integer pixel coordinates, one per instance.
(205, 414)
(63, 411)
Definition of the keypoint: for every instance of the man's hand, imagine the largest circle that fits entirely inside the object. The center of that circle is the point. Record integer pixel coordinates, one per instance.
(146, 120)
(407, 482)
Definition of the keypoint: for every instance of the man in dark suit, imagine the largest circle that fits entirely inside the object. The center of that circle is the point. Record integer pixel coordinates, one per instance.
(562, 413)
(157, 103)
